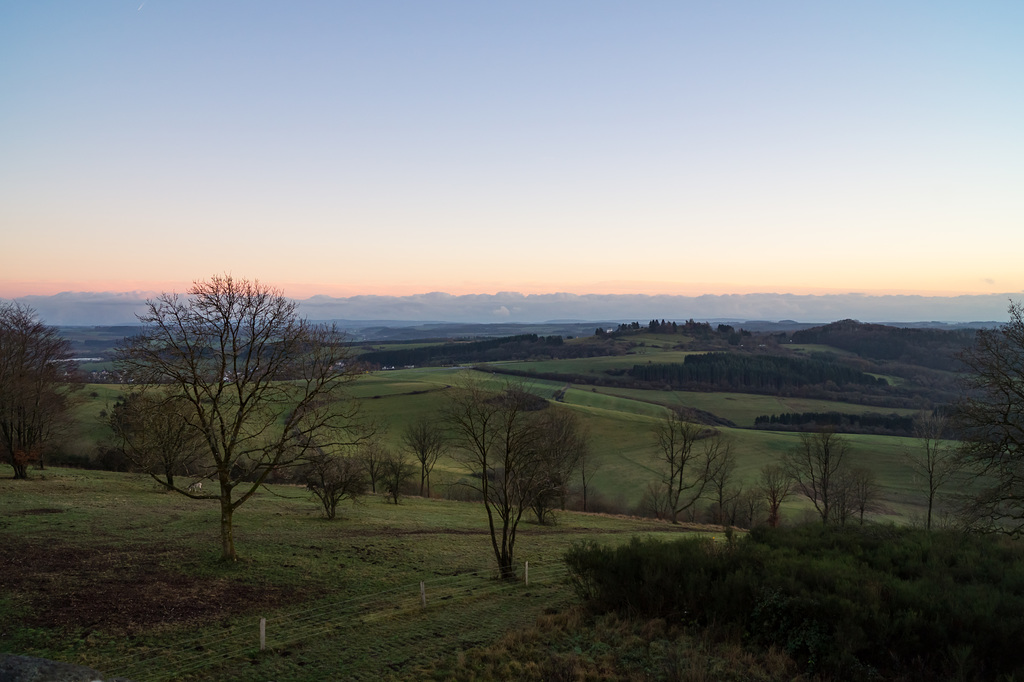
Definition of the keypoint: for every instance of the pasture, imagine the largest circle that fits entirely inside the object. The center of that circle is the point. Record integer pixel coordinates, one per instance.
(620, 423)
(105, 570)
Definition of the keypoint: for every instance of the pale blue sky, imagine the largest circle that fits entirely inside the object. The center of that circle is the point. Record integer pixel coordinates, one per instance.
(592, 147)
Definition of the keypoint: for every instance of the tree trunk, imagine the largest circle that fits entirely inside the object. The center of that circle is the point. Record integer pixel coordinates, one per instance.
(506, 568)
(20, 471)
(227, 535)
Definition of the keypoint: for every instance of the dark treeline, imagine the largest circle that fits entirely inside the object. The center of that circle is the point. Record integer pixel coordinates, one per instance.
(520, 347)
(869, 422)
(932, 348)
(734, 371)
(699, 330)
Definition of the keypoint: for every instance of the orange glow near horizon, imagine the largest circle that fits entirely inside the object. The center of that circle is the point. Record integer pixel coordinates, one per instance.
(300, 290)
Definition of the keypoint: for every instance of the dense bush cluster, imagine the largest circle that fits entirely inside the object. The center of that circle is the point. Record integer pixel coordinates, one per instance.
(862, 601)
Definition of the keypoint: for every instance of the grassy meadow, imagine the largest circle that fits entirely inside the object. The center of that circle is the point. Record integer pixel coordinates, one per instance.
(106, 570)
(619, 421)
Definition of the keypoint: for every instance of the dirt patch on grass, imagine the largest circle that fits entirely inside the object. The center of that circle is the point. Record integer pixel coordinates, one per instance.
(117, 589)
(35, 512)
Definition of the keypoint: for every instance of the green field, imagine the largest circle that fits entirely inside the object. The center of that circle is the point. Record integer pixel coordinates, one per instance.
(105, 570)
(619, 421)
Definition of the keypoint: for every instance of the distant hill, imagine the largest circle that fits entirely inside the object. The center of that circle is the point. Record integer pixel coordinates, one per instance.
(932, 348)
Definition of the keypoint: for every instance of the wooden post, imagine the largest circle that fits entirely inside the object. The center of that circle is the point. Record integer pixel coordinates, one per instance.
(263, 634)
(423, 593)
(526, 575)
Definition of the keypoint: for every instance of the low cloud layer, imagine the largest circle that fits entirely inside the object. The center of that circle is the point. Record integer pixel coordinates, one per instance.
(72, 308)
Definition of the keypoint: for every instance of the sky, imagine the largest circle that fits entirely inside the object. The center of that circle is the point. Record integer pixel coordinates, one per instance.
(589, 147)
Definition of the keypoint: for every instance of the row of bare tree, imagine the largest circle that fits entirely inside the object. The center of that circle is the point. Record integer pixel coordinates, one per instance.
(699, 464)
(236, 386)
(229, 385)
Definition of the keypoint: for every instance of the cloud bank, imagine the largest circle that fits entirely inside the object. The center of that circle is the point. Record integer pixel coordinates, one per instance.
(75, 308)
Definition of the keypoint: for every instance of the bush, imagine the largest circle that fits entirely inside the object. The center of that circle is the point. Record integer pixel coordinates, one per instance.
(852, 600)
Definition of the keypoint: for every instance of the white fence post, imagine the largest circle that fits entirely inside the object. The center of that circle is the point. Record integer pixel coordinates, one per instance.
(423, 593)
(263, 634)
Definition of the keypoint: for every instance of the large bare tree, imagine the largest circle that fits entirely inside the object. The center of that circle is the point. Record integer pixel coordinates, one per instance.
(816, 466)
(35, 386)
(263, 386)
(687, 468)
(498, 436)
(990, 422)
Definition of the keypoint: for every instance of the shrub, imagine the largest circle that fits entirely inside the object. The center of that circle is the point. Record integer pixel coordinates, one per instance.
(852, 600)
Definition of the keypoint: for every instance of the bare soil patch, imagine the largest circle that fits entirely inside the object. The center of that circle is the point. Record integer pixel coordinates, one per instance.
(117, 589)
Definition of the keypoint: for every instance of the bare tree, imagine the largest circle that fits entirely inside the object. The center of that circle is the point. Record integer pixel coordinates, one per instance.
(775, 486)
(35, 386)
(723, 491)
(498, 437)
(654, 502)
(332, 478)
(687, 468)
(396, 472)
(935, 461)
(990, 422)
(373, 456)
(563, 445)
(263, 386)
(751, 505)
(814, 466)
(156, 436)
(588, 467)
(863, 491)
(426, 440)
